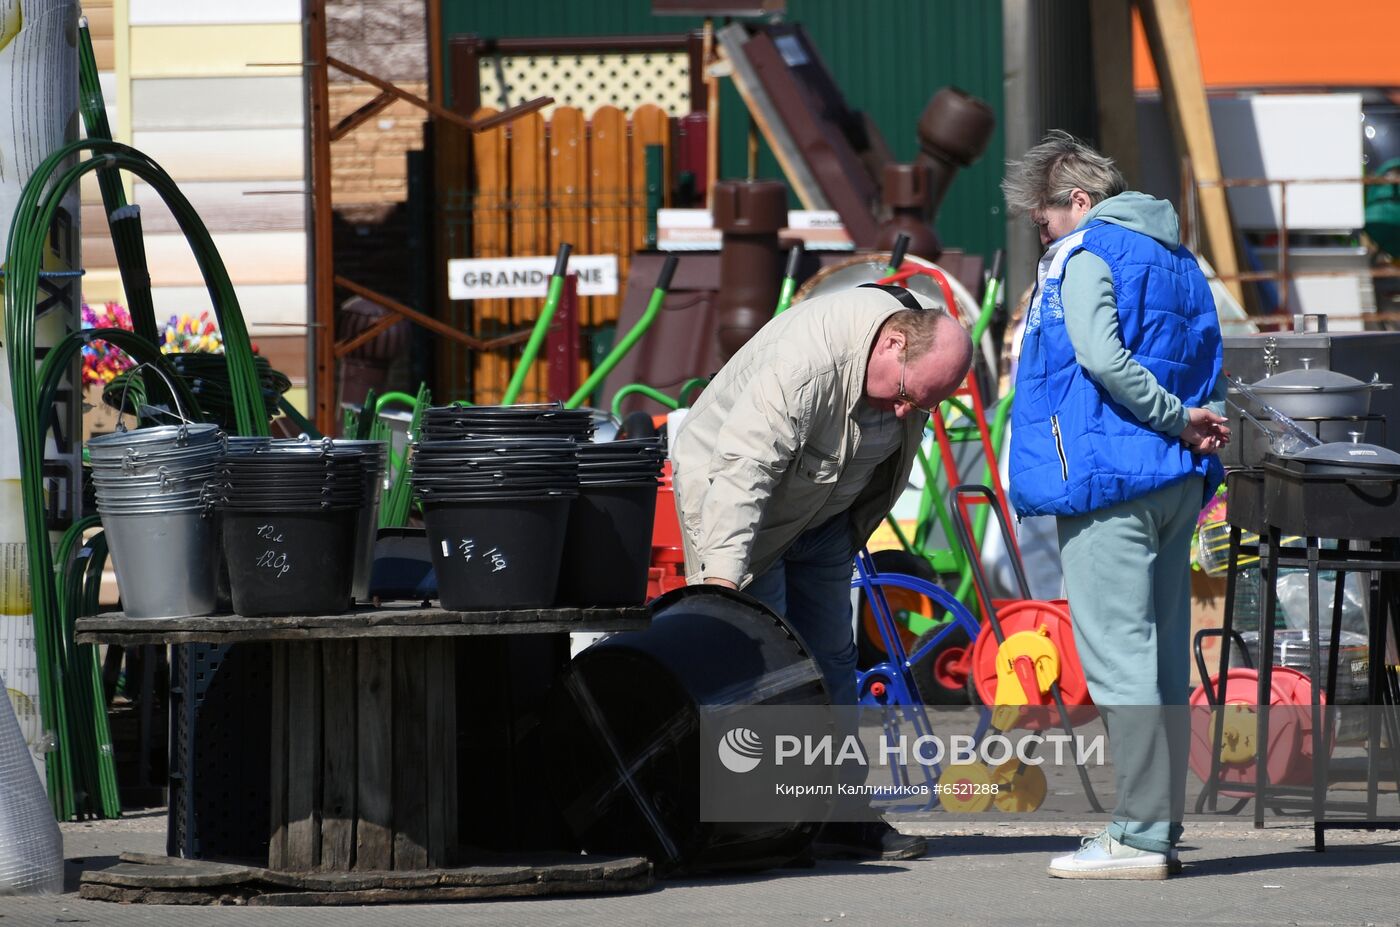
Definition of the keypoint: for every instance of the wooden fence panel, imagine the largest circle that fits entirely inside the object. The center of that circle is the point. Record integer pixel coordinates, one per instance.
(568, 188)
(575, 179)
(608, 191)
(650, 126)
(529, 230)
(490, 238)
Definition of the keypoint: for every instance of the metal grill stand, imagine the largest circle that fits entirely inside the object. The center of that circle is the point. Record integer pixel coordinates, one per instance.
(1275, 503)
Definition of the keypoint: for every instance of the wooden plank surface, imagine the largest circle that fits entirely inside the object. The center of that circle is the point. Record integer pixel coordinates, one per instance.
(116, 628)
(440, 750)
(650, 126)
(304, 751)
(277, 752)
(568, 181)
(490, 238)
(608, 192)
(448, 771)
(374, 842)
(410, 756)
(168, 881)
(529, 232)
(340, 764)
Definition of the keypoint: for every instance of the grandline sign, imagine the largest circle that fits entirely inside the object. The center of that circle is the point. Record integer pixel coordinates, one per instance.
(510, 277)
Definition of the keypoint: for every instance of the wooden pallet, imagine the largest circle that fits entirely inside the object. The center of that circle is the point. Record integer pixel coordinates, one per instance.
(141, 878)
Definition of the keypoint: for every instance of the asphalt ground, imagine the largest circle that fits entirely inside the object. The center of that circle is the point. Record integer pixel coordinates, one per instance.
(983, 874)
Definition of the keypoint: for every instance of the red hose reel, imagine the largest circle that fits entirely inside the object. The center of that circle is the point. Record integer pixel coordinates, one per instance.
(1039, 649)
(1289, 733)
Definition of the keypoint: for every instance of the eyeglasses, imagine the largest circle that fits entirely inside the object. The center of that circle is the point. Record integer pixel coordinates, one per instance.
(904, 397)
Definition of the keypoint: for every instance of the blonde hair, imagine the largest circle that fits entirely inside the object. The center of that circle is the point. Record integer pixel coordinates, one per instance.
(1052, 170)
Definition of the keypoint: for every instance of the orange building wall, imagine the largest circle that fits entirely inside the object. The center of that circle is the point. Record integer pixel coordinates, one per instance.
(1298, 43)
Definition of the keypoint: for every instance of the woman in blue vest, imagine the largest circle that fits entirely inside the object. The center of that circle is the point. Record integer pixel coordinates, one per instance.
(1112, 432)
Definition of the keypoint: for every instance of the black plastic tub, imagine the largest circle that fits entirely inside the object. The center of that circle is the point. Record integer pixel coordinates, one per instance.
(607, 549)
(625, 721)
(497, 550)
(285, 562)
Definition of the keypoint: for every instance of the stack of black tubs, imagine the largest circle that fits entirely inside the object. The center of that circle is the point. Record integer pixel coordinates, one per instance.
(496, 484)
(290, 513)
(608, 547)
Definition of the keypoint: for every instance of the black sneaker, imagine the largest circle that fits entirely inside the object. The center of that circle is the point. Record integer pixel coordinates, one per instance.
(866, 840)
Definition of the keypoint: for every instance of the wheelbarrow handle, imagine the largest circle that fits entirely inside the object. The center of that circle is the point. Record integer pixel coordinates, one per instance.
(794, 262)
(1201, 667)
(668, 270)
(561, 260)
(901, 247)
(998, 264)
(986, 495)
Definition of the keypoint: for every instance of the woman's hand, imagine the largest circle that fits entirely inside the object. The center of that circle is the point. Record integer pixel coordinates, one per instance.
(1205, 432)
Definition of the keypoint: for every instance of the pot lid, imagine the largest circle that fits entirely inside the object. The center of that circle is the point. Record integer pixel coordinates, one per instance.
(1309, 379)
(1352, 454)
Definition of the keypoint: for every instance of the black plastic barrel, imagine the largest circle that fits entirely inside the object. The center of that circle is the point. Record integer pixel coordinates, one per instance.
(624, 721)
(494, 551)
(283, 562)
(607, 550)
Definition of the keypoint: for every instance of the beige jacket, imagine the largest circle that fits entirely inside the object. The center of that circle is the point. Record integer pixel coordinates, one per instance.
(760, 452)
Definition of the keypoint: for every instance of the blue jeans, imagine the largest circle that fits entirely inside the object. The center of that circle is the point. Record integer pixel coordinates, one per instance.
(810, 587)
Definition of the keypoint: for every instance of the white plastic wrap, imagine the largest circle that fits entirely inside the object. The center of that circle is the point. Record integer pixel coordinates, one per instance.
(1293, 599)
(31, 847)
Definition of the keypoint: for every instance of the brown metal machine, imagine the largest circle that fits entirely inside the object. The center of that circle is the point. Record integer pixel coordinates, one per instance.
(953, 133)
(749, 214)
(906, 193)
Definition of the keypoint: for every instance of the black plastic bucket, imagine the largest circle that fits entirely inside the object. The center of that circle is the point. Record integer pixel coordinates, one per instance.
(283, 562)
(607, 550)
(497, 550)
(630, 706)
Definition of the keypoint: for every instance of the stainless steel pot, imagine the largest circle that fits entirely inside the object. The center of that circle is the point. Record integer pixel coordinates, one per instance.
(1307, 393)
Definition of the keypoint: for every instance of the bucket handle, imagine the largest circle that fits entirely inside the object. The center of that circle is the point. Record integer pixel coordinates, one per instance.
(126, 387)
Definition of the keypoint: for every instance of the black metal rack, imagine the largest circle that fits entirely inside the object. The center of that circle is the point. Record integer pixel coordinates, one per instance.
(1274, 503)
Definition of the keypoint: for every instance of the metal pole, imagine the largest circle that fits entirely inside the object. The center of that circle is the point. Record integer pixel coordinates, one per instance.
(1023, 122)
(1283, 248)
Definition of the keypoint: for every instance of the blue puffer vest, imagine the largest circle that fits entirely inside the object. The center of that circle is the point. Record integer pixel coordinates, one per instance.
(1074, 449)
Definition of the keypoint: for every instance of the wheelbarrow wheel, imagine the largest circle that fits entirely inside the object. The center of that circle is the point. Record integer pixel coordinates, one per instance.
(941, 676)
(870, 647)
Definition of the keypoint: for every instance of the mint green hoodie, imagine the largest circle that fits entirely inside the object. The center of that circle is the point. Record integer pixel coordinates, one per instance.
(1091, 316)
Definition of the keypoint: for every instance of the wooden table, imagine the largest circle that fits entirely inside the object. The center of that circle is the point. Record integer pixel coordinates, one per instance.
(365, 728)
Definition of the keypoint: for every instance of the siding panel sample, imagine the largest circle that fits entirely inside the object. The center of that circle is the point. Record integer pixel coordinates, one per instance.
(216, 154)
(251, 257)
(228, 51)
(217, 103)
(185, 13)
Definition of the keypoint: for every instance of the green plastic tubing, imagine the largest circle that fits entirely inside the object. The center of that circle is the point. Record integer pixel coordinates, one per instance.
(634, 389)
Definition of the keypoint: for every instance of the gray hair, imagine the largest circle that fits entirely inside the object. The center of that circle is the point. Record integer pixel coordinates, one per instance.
(1053, 169)
(920, 329)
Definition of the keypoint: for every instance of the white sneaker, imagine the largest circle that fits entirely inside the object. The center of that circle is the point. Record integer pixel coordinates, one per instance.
(1102, 857)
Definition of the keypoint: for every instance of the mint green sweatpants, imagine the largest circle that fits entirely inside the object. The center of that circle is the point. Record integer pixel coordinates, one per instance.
(1127, 571)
